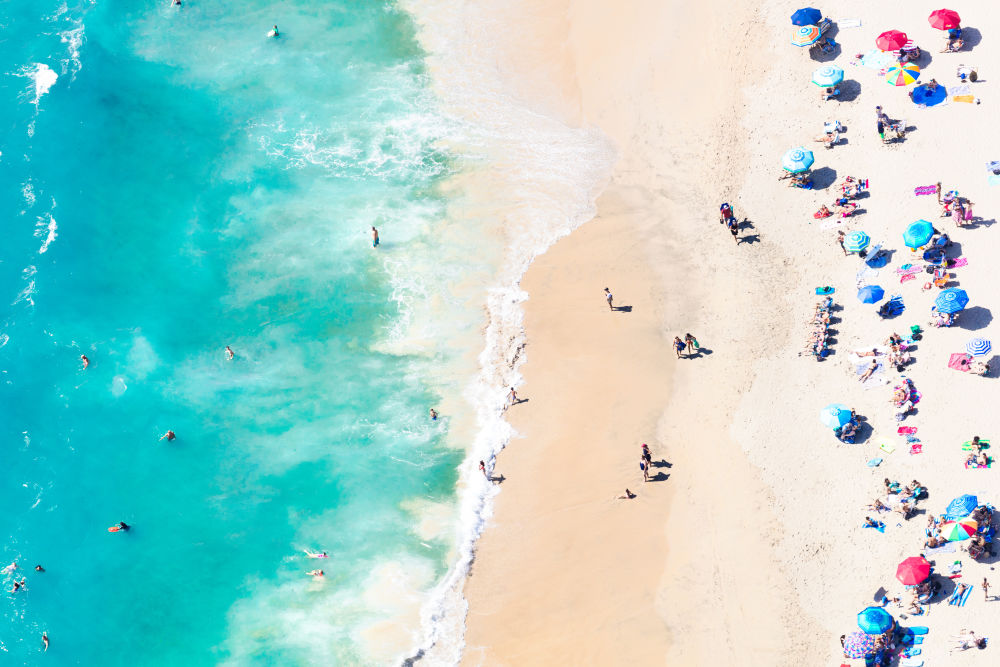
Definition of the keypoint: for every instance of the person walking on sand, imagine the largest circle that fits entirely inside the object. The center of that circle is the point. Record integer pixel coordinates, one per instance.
(986, 590)
(734, 229)
(679, 346)
(726, 214)
(645, 470)
(692, 343)
(512, 398)
(840, 241)
(169, 435)
(609, 297)
(374, 237)
(647, 456)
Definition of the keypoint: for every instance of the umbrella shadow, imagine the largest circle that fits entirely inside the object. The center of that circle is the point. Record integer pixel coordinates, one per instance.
(823, 178)
(849, 90)
(975, 318)
(971, 37)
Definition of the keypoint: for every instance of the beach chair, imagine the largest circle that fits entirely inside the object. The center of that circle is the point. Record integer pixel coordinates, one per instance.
(892, 308)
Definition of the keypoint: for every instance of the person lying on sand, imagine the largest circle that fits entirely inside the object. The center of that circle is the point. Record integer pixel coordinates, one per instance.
(967, 639)
(906, 509)
(628, 495)
(980, 459)
(871, 369)
(878, 506)
(934, 542)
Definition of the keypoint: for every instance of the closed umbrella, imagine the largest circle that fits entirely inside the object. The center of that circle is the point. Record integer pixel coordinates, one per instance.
(891, 40)
(918, 234)
(870, 294)
(835, 415)
(902, 75)
(856, 241)
(954, 531)
(951, 300)
(875, 620)
(806, 35)
(942, 19)
(797, 160)
(859, 645)
(828, 75)
(962, 506)
(810, 16)
(978, 347)
(913, 571)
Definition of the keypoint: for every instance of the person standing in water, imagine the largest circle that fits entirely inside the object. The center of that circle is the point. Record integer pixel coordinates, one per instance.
(45, 635)
(274, 32)
(85, 360)
(229, 353)
(374, 237)
(609, 297)
(434, 415)
(169, 435)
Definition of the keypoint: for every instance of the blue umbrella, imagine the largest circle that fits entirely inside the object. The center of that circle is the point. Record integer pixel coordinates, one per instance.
(978, 347)
(951, 300)
(925, 96)
(918, 233)
(870, 294)
(962, 506)
(807, 16)
(797, 160)
(835, 415)
(856, 241)
(828, 75)
(875, 620)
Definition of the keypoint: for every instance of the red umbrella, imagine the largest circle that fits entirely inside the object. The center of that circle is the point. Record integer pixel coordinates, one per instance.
(913, 570)
(891, 40)
(944, 19)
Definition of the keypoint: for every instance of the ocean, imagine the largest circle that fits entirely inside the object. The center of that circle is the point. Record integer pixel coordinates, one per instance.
(173, 181)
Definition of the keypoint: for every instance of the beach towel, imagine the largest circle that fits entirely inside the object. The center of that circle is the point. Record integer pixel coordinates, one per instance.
(960, 361)
(965, 596)
(906, 430)
(825, 290)
(976, 466)
(958, 262)
(887, 447)
(874, 462)
(930, 552)
(911, 652)
(993, 172)
(911, 662)
(916, 448)
(925, 190)
(907, 276)
(879, 526)
(830, 223)
(848, 23)
(967, 445)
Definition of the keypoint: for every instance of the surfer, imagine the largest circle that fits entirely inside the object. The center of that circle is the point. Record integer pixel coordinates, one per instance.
(315, 573)
(313, 554)
(274, 32)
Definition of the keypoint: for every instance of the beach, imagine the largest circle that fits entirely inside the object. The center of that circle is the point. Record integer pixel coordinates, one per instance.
(747, 547)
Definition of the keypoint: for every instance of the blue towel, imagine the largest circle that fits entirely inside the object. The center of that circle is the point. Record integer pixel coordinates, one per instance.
(874, 462)
(910, 652)
(965, 596)
(880, 527)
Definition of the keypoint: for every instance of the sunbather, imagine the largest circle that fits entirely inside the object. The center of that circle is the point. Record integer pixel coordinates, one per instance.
(823, 212)
(934, 542)
(829, 138)
(871, 369)
(828, 93)
(877, 506)
(871, 523)
(967, 639)
(906, 509)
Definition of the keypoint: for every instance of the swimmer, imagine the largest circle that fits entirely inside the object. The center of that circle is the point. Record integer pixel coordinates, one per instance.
(313, 554)
(315, 573)
(123, 526)
(10, 568)
(18, 585)
(85, 360)
(274, 32)
(229, 353)
(39, 568)
(45, 635)
(434, 414)
(169, 435)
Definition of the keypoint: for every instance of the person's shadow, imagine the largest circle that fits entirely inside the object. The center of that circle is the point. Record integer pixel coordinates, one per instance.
(497, 479)
(622, 309)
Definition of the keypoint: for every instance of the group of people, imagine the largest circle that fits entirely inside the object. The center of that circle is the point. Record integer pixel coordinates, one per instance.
(819, 334)
(690, 343)
(958, 208)
(977, 456)
(904, 398)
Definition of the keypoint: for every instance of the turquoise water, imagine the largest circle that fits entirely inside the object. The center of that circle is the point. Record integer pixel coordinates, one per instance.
(185, 184)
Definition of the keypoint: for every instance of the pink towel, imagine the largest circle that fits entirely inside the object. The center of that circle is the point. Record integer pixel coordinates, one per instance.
(906, 430)
(961, 261)
(916, 448)
(907, 276)
(925, 190)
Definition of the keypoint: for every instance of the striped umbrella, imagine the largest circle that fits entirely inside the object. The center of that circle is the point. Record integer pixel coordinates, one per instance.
(918, 233)
(891, 40)
(856, 241)
(955, 531)
(944, 19)
(951, 300)
(875, 620)
(962, 506)
(859, 645)
(902, 75)
(797, 160)
(805, 35)
(835, 415)
(978, 347)
(828, 75)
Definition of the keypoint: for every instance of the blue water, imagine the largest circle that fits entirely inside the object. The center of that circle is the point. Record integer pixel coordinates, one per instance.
(183, 185)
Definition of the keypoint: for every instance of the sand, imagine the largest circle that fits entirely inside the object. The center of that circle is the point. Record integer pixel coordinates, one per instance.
(747, 548)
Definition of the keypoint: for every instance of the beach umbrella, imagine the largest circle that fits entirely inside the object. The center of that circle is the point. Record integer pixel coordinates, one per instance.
(951, 300)
(902, 75)
(954, 531)
(962, 506)
(978, 347)
(806, 35)
(811, 16)
(859, 645)
(913, 570)
(797, 160)
(828, 75)
(835, 415)
(856, 241)
(918, 233)
(942, 19)
(875, 620)
(870, 294)
(891, 40)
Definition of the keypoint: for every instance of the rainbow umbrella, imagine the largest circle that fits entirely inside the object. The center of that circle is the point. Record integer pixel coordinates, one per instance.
(828, 75)
(859, 645)
(797, 160)
(891, 40)
(913, 570)
(918, 233)
(954, 531)
(944, 19)
(806, 35)
(875, 621)
(951, 300)
(902, 75)
(856, 241)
